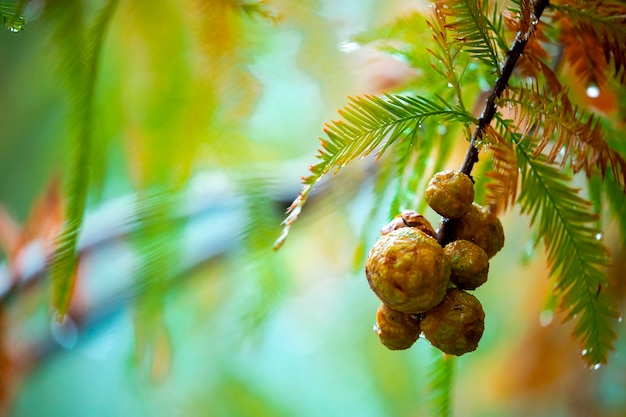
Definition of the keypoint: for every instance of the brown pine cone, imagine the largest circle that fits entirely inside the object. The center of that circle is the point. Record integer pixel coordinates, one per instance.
(469, 264)
(395, 329)
(408, 270)
(409, 218)
(481, 227)
(450, 193)
(456, 325)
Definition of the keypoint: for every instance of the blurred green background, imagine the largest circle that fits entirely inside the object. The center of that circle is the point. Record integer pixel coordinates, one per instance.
(210, 110)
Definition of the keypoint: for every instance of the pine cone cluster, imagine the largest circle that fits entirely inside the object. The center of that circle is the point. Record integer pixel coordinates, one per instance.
(421, 284)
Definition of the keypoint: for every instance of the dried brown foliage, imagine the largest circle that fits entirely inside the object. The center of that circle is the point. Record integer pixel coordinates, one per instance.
(563, 131)
(502, 189)
(593, 36)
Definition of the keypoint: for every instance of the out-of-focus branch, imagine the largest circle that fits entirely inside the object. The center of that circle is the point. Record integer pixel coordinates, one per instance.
(210, 226)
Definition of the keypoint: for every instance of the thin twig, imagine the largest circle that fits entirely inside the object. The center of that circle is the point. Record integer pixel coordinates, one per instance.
(489, 111)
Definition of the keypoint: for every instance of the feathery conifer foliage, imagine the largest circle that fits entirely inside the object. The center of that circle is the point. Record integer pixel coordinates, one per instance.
(442, 377)
(79, 61)
(537, 134)
(371, 122)
(567, 226)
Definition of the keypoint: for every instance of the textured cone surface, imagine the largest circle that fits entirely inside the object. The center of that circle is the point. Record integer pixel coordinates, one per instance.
(395, 329)
(469, 264)
(408, 270)
(409, 218)
(456, 325)
(450, 193)
(479, 227)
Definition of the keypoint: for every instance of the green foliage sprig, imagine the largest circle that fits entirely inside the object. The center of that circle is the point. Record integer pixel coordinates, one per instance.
(370, 122)
(80, 64)
(441, 381)
(476, 33)
(578, 259)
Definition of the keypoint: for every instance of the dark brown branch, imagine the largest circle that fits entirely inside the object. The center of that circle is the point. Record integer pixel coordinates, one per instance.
(489, 111)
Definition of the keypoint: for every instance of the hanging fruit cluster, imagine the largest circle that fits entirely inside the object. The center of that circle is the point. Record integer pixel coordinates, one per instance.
(421, 277)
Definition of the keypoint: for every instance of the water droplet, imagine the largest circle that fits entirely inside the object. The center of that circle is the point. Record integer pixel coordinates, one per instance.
(450, 85)
(376, 328)
(64, 333)
(529, 249)
(545, 318)
(592, 91)
(598, 236)
(619, 319)
(596, 366)
(533, 19)
(14, 24)
(584, 352)
(349, 46)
